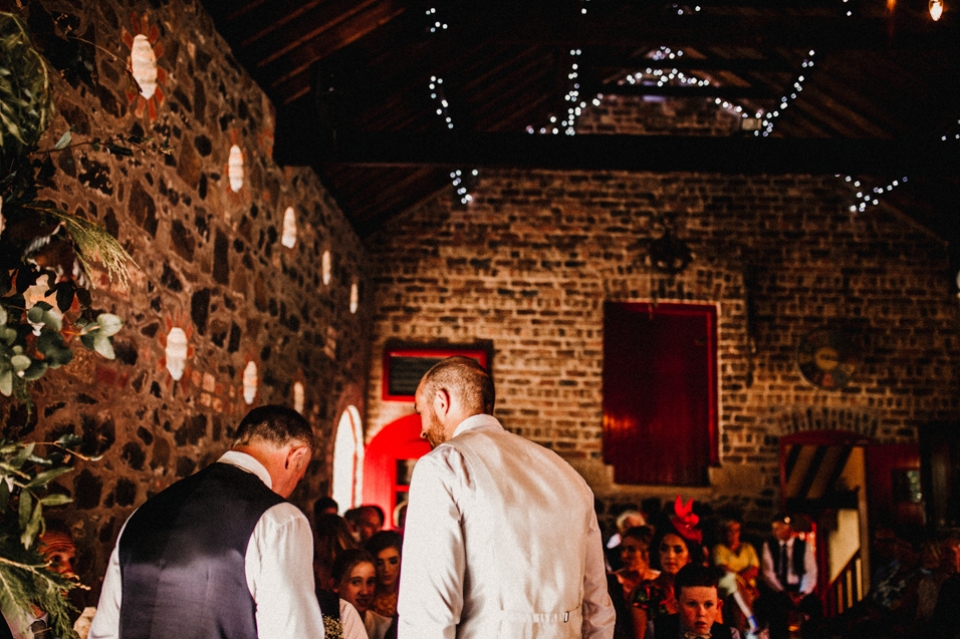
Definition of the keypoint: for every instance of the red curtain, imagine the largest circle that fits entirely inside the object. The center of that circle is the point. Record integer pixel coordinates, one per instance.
(660, 392)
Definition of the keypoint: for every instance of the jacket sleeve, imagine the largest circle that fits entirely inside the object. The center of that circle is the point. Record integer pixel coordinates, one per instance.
(599, 616)
(434, 560)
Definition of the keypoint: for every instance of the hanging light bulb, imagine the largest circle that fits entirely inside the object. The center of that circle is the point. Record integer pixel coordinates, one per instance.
(936, 9)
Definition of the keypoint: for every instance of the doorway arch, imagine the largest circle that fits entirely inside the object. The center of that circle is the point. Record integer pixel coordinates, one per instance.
(388, 466)
(348, 457)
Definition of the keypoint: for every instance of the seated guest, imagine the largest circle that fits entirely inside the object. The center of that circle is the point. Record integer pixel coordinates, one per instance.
(677, 544)
(325, 506)
(386, 546)
(625, 520)
(355, 579)
(740, 565)
(945, 620)
(364, 521)
(788, 578)
(340, 619)
(635, 557)
(699, 608)
(331, 536)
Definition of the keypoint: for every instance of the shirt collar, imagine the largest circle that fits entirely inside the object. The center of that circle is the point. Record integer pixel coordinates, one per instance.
(246, 462)
(478, 422)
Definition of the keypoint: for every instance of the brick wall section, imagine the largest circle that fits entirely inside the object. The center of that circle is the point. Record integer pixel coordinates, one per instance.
(636, 116)
(530, 262)
(208, 260)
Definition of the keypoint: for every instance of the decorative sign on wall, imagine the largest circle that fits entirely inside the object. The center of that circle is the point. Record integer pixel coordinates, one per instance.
(828, 358)
(404, 367)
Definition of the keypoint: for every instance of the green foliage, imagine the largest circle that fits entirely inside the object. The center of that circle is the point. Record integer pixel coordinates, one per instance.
(25, 104)
(44, 249)
(25, 577)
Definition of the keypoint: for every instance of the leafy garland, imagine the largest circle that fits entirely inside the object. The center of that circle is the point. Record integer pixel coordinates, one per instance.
(26, 577)
(46, 253)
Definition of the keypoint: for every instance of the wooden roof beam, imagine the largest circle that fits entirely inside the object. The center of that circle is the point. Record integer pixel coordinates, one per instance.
(737, 155)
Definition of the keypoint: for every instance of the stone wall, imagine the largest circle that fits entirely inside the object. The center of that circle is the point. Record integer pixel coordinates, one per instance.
(209, 260)
(529, 263)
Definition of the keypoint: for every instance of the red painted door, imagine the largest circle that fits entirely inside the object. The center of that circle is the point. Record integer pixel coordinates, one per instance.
(388, 464)
(893, 475)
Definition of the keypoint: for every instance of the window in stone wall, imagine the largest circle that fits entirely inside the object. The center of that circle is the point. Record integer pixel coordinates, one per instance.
(289, 237)
(354, 297)
(326, 265)
(251, 382)
(348, 460)
(235, 168)
(298, 397)
(660, 392)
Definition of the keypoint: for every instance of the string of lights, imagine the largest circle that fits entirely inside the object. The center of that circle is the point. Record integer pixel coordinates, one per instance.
(767, 123)
(443, 111)
(867, 198)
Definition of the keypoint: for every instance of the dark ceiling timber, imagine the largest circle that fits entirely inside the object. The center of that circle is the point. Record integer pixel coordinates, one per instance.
(633, 30)
(745, 155)
(883, 90)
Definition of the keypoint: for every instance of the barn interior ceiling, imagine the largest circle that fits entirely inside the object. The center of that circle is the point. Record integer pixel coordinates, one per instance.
(385, 97)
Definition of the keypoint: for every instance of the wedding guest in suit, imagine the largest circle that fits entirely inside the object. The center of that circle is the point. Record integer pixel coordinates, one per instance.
(221, 554)
(788, 579)
(501, 537)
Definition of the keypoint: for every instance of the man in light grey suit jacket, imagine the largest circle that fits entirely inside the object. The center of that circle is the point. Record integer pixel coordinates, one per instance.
(501, 539)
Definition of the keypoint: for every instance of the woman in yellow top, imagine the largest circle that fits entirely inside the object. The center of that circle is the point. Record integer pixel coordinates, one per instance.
(742, 565)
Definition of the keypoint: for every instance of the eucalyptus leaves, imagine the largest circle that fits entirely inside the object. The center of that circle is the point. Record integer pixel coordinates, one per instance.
(19, 363)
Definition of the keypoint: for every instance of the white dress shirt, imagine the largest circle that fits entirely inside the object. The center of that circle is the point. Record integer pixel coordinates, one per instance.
(278, 564)
(501, 539)
(809, 580)
(351, 622)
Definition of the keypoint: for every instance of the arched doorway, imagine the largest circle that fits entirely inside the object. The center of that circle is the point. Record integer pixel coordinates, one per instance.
(348, 456)
(390, 458)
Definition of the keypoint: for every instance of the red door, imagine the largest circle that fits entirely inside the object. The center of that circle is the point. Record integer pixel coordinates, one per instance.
(388, 464)
(893, 475)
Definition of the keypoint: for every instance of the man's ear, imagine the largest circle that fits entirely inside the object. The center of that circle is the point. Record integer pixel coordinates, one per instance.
(441, 401)
(298, 456)
(719, 603)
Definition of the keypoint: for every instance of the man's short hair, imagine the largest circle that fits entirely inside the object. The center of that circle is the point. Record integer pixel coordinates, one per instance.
(694, 575)
(278, 425)
(372, 508)
(465, 377)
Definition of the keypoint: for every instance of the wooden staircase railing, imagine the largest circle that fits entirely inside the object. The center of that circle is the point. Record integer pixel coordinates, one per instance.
(846, 590)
